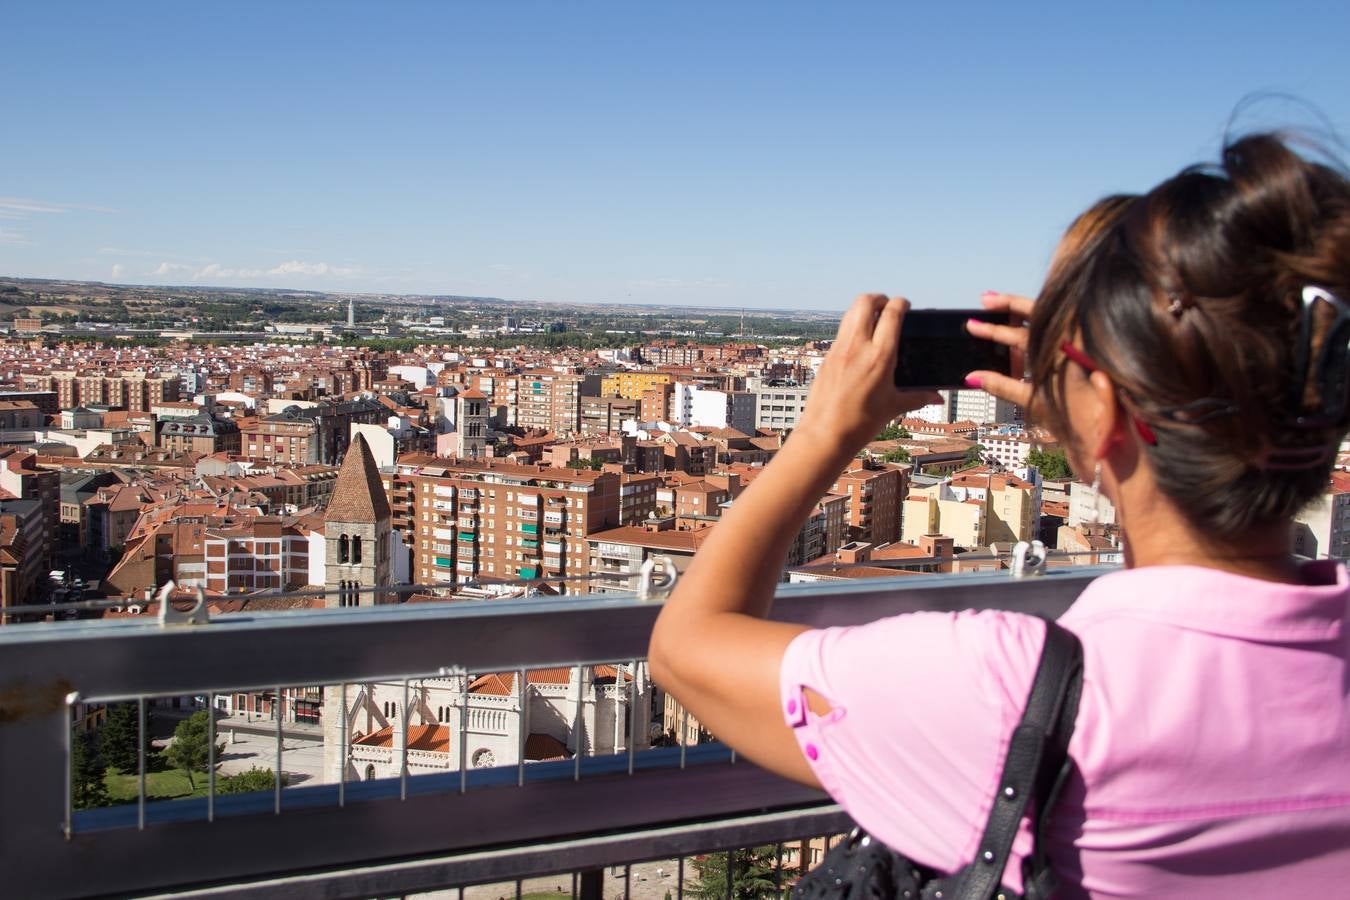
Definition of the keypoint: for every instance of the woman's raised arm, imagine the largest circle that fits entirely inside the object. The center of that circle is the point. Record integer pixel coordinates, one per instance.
(712, 648)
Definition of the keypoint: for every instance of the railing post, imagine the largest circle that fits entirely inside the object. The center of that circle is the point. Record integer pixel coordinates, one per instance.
(592, 885)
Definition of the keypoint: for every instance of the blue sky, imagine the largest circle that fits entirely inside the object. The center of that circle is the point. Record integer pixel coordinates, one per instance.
(707, 154)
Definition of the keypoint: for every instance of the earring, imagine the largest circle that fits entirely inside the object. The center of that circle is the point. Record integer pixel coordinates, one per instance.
(1095, 516)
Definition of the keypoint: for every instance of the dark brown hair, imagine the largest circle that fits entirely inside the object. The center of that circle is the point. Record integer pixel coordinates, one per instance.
(1190, 298)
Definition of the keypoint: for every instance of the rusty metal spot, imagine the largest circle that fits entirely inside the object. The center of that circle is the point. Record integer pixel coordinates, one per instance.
(22, 699)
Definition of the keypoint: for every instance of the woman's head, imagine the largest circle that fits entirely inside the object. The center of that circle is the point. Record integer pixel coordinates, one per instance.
(1190, 298)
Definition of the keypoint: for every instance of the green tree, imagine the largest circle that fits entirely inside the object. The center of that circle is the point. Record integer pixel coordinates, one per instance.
(119, 736)
(87, 788)
(898, 455)
(191, 748)
(752, 875)
(594, 463)
(974, 457)
(1053, 464)
(893, 433)
(255, 779)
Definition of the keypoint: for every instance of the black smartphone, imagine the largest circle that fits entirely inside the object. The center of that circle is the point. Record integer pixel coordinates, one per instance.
(936, 351)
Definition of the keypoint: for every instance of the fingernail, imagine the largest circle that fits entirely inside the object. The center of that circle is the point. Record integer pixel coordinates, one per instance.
(973, 381)
(976, 322)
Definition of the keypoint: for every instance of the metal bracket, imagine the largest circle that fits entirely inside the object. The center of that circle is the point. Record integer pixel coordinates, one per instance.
(656, 578)
(197, 615)
(1028, 558)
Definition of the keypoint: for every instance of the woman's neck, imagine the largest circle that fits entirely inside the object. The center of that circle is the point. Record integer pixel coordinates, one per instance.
(1260, 553)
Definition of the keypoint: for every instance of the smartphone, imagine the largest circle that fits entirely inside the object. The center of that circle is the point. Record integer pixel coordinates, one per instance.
(936, 351)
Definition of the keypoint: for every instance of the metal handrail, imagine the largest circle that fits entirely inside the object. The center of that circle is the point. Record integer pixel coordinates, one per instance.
(309, 841)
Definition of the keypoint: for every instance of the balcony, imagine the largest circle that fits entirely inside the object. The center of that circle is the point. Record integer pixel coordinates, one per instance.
(412, 832)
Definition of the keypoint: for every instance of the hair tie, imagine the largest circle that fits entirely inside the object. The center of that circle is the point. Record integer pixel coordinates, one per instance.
(1179, 303)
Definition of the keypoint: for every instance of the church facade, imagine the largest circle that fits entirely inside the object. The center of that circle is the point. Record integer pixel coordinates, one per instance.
(436, 724)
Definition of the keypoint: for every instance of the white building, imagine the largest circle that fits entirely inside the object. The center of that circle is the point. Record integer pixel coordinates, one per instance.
(1011, 450)
(983, 409)
(1082, 500)
(722, 409)
(779, 407)
(555, 714)
(936, 413)
(418, 376)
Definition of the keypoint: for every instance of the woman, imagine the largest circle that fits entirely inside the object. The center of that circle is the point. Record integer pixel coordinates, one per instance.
(1186, 349)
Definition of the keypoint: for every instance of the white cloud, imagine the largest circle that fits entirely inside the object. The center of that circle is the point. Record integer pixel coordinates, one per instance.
(12, 237)
(168, 268)
(286, 269)
(117, 270)
(296, 267)
(22, 206)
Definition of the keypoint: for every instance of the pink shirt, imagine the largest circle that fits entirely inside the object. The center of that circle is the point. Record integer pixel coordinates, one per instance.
(1212, 740)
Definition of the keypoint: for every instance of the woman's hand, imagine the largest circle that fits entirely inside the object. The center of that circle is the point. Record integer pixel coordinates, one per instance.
(854, 393)
(999, 384)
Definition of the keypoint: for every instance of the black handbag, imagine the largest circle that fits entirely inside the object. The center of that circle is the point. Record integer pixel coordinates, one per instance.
(1037, 765)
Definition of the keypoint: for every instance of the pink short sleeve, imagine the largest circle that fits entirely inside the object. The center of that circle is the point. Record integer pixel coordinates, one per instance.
(922, 707)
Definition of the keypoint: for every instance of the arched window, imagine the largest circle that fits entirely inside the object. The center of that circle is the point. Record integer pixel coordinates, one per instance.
(370, 772)
(386, 709)
(344, 554)
(356, 550)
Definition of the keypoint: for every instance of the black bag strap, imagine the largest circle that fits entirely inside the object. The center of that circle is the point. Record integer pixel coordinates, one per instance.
(1037, 765)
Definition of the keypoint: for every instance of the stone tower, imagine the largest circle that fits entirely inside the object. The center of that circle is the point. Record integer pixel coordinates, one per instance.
(471, 420)
(356, 531)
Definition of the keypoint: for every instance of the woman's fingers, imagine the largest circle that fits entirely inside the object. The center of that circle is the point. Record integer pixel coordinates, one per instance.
(1019, 306)
(886, 334)
(861, 317)
(1000, 385)
(1011, 335)
(912, 400)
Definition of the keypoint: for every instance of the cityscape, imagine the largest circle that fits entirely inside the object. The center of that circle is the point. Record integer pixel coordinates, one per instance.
(372, 375)
(406, 451)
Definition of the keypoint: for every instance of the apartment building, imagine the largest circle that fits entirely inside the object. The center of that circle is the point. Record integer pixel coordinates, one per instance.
(632, 385)
(1322, 529)
(873, 492)
(23, 553)
(266, 553)
(974, 509)
(983, 408)
(306, 435)
(505, 521)
(201, 433)
(21, 479)
(552, 400)
(779, 408)
(605, 415)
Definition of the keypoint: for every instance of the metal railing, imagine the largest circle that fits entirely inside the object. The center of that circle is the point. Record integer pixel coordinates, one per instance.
(401, 835)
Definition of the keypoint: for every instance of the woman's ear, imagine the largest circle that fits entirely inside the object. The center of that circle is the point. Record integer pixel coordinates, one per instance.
(1108, 418)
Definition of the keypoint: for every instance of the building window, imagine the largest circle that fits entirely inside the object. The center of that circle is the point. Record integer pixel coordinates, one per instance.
(344, 550)
(370, 772)
(356, 550)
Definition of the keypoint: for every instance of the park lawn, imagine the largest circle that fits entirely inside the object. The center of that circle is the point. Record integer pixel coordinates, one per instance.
(169, 784)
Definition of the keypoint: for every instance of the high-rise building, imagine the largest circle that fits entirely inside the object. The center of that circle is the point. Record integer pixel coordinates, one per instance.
(505, 521)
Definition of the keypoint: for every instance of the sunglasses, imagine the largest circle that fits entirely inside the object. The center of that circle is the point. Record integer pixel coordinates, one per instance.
(1145, 432)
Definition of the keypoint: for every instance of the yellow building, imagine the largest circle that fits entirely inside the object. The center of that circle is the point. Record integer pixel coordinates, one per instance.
(632, 385)
(961, 520)
(975, 509)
